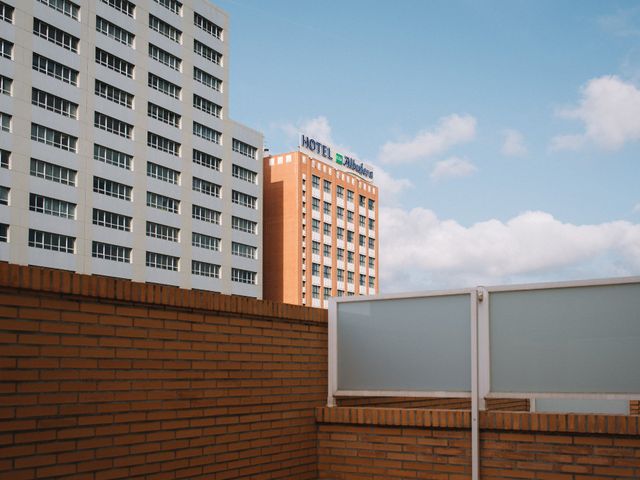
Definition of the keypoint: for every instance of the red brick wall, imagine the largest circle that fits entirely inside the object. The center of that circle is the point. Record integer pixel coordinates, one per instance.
(370, 443)
(634, 407)
(104, 379)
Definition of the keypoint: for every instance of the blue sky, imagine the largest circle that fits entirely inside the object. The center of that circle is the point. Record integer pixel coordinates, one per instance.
(505, 134)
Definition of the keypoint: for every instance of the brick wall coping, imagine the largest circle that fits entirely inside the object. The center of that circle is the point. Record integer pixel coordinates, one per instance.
(513, 421)
(115, 289)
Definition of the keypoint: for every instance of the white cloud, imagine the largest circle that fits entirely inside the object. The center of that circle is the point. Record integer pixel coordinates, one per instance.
(319, 128)
(452, 167)
(610, 112)
(513, 145)
(450, 131)
(419, 251)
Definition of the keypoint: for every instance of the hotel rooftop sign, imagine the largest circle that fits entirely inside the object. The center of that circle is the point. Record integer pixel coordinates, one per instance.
(324, 151)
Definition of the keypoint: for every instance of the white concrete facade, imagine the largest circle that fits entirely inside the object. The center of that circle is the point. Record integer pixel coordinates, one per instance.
(77, 93)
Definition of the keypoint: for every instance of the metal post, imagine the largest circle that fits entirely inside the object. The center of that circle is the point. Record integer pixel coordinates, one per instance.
(476, 297)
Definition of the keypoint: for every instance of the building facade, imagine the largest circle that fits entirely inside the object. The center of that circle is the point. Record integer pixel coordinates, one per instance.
(118, 156)
(321, 228)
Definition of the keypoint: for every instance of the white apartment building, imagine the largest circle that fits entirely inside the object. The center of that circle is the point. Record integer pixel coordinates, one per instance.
(118, 156)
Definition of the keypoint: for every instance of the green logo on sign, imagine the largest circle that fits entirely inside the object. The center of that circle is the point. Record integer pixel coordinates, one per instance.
(339, 159)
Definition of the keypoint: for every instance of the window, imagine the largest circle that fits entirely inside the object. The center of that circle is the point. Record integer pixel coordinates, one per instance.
(372, 282)
(164, 232)
(363, 201)
(163, 144)
(51, 241)
(6, 13)
(242, 250)
(372, 204)
(341, 293)
(244, 199)
(52, 172)
(327, 292)
(372, 243)
(340, 253)
(206, 160)
(350, 236)
(112, 157)
(315, 204)
(326, 250)
(206, 187)
(350, 257)
(66, 7)
(315, 225)
(164, 262)
(205, 241)
(161, 202)
(53, 137)
(326, 270)
(5, 85)
(205, 214)
(164, 86)
(163, 28)
(113, 94)
(315, 269)
(111, 188)
(207, 25)
(112, 30)
(5, 155)
(245, 174)
(372, 262)
(55, 35)
(349, 196)
(112, 125)
(315, 291)
(162, 114)
(205, 269)
(326, 208)
(244, 149)
(363, 280)
(315, 247)
(124, 6)
(339, 191)
(244, 225)
(202, 131)
(51, 206)
(4, 195)
(340, 275)
(327, 228)
(54, 69)
(372, 224)
(6, 49)
(340, 213)
(349, 216)
(171, 5)
(350, 276)
(207, 79)
(326, 185)
(113, 220)
(207, 52)
(5, 122)
(363, 260)
(207, 106)
(165, 57)
(108, 251)
(162, 173)
(315, 181)
(4, 232)
(114, 63)
(363, 221)
(243, 276)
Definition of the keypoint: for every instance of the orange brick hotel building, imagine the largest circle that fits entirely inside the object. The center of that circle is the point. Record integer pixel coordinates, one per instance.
(320, 226)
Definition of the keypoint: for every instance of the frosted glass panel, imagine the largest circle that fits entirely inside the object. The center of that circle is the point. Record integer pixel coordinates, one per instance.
(566, 340)
(413, 344)
(565, 405)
